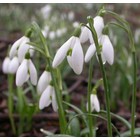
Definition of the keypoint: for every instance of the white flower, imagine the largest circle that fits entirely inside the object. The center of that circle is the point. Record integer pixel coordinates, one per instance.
(107, 53)
(15, 46)
(43, 81)
(52, 35)
(26, 70)
(20, 48)
(71, 15)
(46, 11)
(75, 58)
(107, 49)
(59, 32)
(90, 52)
(64, 30)
(75, 24)
(10, 66)
(5, 65)
(48, 97)
(84, 36)
(98, 25)
(94, 103)
(13, 65)
(86, 33)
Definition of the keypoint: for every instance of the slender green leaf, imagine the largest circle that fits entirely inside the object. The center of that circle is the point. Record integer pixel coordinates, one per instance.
(128, 133)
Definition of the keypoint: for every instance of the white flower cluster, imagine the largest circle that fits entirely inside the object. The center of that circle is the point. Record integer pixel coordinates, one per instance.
(107, 48)
(47, 91)
(72, 48)
(17, 63)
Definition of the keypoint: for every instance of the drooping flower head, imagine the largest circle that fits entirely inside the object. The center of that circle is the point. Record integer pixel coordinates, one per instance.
(20, 48)
(25, 71)
(48, 97)
(107, 51)
(43, 81)
(95, 105)
(71, 49)
(86, 33)
(10, 66)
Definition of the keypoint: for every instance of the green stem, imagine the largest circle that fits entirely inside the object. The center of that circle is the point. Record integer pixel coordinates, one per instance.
(10, 102)
(94, 35)
(133, 109)
(53, 72)
(58, 93)
(133, 49)
(89, 101)
(109, 127)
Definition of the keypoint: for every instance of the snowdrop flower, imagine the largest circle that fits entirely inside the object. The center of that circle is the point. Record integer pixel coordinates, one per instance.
(52, 35)
(48, 97)
(73, 50)
(5, 65)
(64, 30)
(59, 33)
(107, 49)
(107, 52)
(71, 15)
(43, 81)
(20, 48)
(15, 46)
(86, 33)
(13, 65)
(98, 25)
(95, 105)
(90, 52)
(25, 71)
(46, 11)
(10, 66)
(75, 24)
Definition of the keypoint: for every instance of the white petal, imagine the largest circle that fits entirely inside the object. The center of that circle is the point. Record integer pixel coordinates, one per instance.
(84, 36)
(13, 50)
(27, 78)
(90, 38)
(5, 65)
(13, 66)
(69, 59)
(33, 73)
(54, 101)
(45, 99)
(43, 81)
(95, 102)
(61, 53)
(98, 25)
(22, 73)
(90, 52)
(77, 57)
(23, 50)
(108, 50)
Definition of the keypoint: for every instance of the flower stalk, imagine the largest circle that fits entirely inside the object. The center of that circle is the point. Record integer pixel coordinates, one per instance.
(90, 75)
(10, 102)
(55, 82)
(94, 35)
(126, 27)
